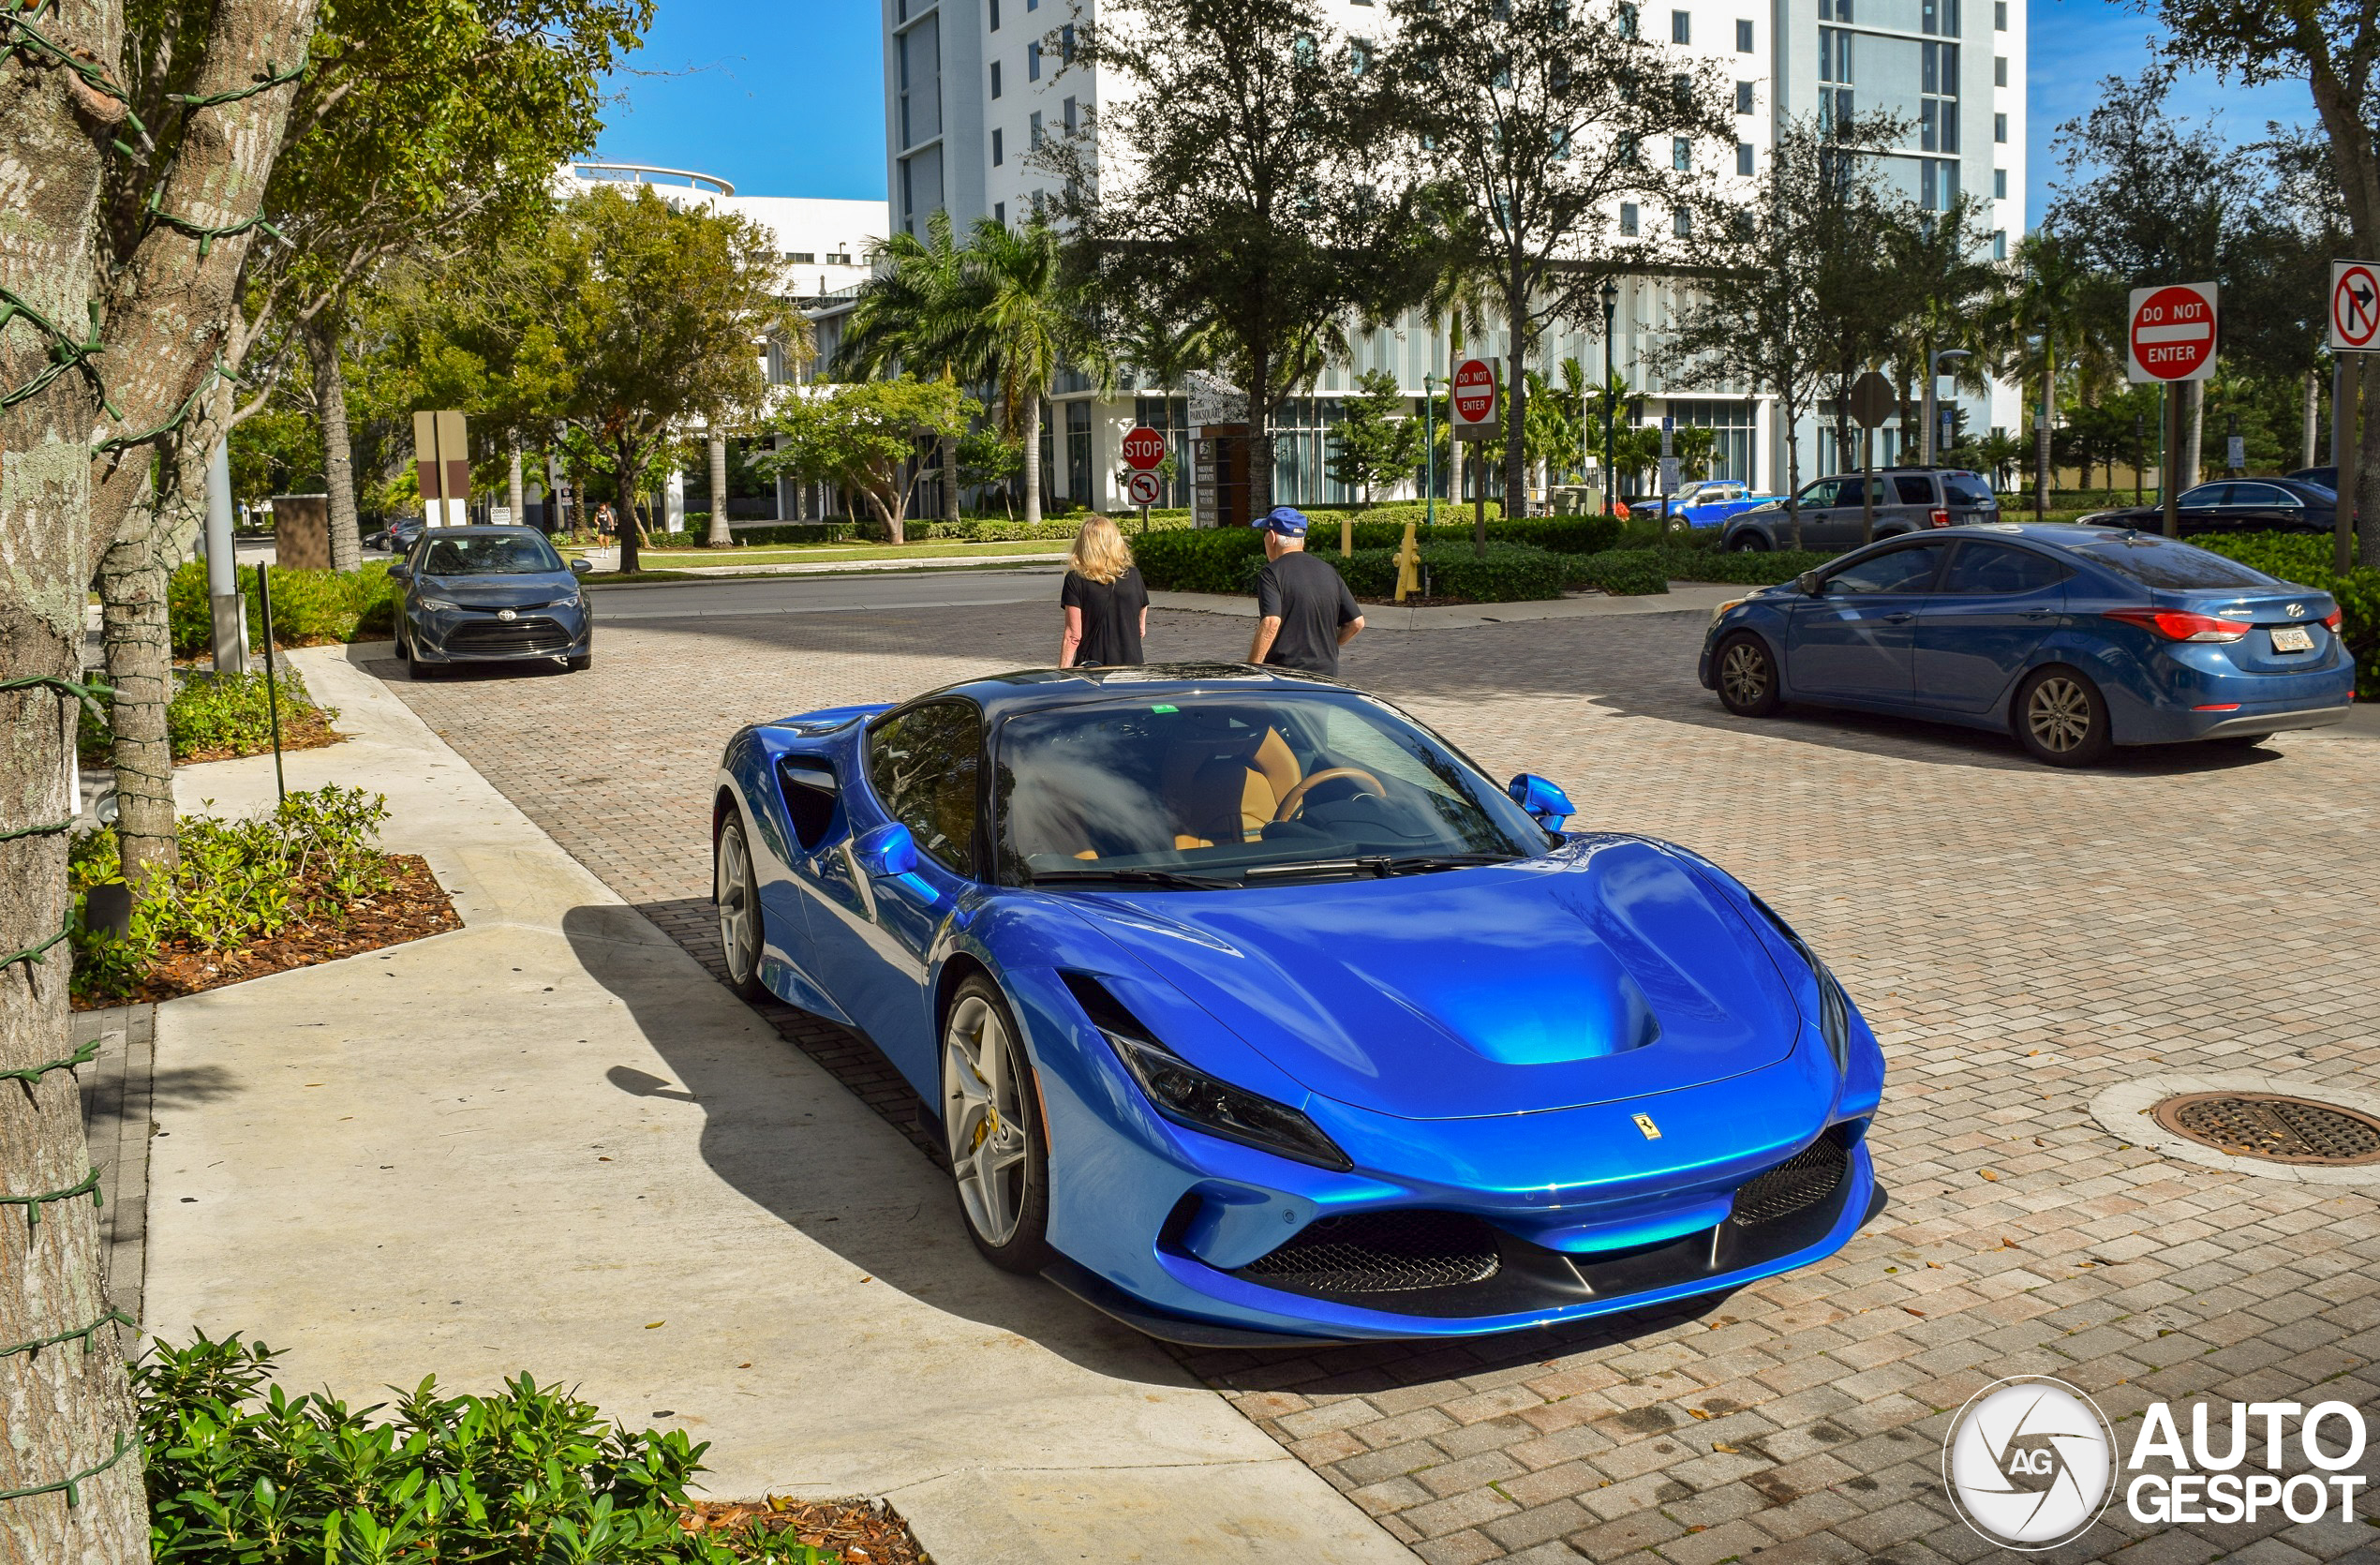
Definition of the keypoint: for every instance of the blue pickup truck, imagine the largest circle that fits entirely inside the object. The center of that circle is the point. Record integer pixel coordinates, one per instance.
(1709, 501)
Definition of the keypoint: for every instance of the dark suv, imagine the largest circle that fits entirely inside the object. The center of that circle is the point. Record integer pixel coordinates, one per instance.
(1907, 500)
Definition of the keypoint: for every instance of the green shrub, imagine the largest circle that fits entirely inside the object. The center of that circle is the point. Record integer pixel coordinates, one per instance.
(1509, 572)
(1630, 573)
(309, 608)
(238, 882)
(1214, 560)
(1198, 559)
(2306, 560)
(1749, 568)
(239, 1469)
(213, 714)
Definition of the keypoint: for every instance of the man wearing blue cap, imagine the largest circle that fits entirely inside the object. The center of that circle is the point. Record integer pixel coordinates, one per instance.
(1304, 612)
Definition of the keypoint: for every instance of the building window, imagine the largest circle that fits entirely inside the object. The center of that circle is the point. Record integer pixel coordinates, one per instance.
(1066, 43)
(1834, 11)
(1999, 70)
(2000, 243)
(1999, 127)
(1682, 223)
(1833, 54)
(999, 149)
(1937, 114)
(1033, 62)
(1033, 132)
(1937, 183)
(1069, 109)
(1743, 37)
(1628, 218)
(1999, 184)
(1681, 154)
(1629, 151)
(1681, 27)
(1000, 213)
(1939, 17)
(995, 79)
(1627, 20)
(1743, 158)
(803, 257)
(1742, 97)
(1833, 106)
(2000, 16)
(995, 16)
(1358, 56)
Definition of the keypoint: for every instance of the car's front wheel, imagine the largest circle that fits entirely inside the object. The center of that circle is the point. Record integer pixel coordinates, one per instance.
(2062, 718)
(1748, 542)
(1748, 682)
(741, 930)
(991, 1115)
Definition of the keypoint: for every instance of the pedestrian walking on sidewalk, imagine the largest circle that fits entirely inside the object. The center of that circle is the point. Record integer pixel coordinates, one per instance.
(1105, 604)
(1304, 612)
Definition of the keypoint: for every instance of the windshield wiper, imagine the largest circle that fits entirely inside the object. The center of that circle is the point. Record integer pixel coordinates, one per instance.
(1131, 878)
(1380, 864)
(1416, 863)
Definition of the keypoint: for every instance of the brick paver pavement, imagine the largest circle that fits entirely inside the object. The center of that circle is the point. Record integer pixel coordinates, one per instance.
(2020, 938)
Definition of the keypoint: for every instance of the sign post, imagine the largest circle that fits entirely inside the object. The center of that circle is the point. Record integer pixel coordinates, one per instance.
(2172, 341)
(442, 465)
(2354, 328)
(1872, 401)
(1474, 418)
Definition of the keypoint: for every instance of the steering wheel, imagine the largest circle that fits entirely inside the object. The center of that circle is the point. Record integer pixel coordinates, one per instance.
(1295, 799)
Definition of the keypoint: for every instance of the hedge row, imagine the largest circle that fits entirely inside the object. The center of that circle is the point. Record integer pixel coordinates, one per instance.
(1215, 560)
(309, 608)
(1624, 572)
(2306, 560)
(1508, 574)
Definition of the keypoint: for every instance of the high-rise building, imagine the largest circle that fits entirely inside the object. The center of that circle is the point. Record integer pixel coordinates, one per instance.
(973, 86)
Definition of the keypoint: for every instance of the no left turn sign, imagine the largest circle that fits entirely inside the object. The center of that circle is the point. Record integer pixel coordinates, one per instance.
(2355, 307)
(2173, 332)
(1141, 488)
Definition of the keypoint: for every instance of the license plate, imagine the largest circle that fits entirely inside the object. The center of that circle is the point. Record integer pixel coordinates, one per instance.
(2292, 638)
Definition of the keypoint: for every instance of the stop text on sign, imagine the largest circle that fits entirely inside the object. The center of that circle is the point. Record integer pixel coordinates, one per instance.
(1143, 448)
(2173, 331)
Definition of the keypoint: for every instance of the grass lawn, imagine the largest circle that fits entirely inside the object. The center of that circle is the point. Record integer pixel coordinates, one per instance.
(825, 553)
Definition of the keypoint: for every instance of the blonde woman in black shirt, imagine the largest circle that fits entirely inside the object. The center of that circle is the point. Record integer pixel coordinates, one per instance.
(1106, 608)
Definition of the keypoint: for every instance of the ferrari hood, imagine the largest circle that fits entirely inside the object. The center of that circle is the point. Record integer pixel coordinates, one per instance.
(1606, 973)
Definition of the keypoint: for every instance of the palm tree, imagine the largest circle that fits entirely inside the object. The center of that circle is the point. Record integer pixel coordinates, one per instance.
(2043, 317)
(1027, 324)
(916, 311)
(1947, 288)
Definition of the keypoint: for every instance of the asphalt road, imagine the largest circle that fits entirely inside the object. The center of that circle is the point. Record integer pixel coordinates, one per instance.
(714, 600)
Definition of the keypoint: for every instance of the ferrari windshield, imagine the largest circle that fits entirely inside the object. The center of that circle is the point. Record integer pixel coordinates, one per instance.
(1241, 788)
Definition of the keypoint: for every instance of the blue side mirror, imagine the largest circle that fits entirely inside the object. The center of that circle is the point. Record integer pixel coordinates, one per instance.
(400, 572)
(580, 566)
(1549, 804)
(888, 850)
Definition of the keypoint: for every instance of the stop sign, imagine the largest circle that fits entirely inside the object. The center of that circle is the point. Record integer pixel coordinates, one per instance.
(2172, 331)
(1143, 448)
(1474, 391)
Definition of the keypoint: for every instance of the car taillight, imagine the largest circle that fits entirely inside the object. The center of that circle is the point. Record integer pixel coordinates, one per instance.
(2175, 626)
(1941, 518)
(2331, 620)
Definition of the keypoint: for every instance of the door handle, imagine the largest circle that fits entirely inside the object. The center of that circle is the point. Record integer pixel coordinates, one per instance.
(1903, 618)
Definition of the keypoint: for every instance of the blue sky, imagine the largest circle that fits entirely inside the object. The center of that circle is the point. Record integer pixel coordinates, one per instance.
(785, 97)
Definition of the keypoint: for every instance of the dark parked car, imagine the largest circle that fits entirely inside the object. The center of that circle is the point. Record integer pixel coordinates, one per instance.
(1907, 500)
(2073, 638)
(2326, 477)
(398, 537)
(2235, 505)
(490, 594)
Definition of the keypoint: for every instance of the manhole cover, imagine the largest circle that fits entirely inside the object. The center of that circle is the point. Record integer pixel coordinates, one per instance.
(2275, 1129)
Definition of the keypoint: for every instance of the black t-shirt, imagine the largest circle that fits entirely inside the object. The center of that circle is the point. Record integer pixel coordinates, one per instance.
(1312, 600)
(1110, 617)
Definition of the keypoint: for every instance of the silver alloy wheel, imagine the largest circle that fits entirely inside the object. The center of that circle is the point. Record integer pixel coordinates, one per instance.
(738, 925)
(1743, 674)
(983, 1111)
(2059, 714)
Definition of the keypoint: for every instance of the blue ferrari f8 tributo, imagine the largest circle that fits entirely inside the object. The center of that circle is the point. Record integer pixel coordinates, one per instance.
(1249, 1008)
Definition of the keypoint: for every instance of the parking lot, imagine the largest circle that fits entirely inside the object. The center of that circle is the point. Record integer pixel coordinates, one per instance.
(2021, 939)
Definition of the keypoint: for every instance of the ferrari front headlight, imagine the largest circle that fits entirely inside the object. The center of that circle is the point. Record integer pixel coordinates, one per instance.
(1184, 1093)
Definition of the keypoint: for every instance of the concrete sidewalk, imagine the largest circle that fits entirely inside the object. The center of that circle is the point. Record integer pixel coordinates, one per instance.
(549, 1141)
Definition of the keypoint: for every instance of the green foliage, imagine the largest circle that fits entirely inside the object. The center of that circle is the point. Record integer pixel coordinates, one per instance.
(864, 436)
(2307, 560)
(239, 1469)
(237, 882)
(1214, 560)
(1627, 573)
(211, 713)
(1380, 441)
(1509, 572)
(1752, 568)
(309, 608)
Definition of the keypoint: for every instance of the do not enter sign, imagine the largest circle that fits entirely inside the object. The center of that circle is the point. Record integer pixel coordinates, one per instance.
(1143, 448)
(1474, 397)
(2173, 332)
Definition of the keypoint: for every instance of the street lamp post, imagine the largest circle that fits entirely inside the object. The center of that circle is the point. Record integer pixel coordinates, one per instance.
(1933, 374)
(1611, 307)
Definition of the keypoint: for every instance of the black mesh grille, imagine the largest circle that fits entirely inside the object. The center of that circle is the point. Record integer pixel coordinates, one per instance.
(495, 638)
(1802, 1180)
(1383, 1252)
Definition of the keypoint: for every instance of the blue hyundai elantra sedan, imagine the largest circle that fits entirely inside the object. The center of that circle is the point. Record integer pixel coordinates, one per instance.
(2075, 639)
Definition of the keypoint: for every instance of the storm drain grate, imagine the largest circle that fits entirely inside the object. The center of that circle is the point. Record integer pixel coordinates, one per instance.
(2272, 1127)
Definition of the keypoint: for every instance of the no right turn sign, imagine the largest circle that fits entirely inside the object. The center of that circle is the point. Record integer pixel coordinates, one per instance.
(2355, 307)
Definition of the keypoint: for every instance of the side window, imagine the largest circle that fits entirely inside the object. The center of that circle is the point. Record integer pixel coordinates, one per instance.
(2204, 496)
(1915, 489)
(1910, 570)
(923, 766)
(1996, 568)
(1963, 490)
(2260, 494)
(1823, 492)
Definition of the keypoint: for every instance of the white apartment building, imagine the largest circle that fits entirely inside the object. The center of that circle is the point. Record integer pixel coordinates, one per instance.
(970, 91)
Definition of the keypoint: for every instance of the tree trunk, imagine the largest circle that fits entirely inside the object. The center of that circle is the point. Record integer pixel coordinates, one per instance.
(950, 479)
(515, 501)
(1454, 446)
(1033, 464)
(624, 492)
(2040, 438)
(2313, 415)
(339, 450)
(139, 641)
(1516, 413)
(2366, 496)
(2194, 430)
(722, 532)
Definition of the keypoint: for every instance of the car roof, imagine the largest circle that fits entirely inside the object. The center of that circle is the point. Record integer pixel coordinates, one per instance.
(1033, 688)
(479, 531)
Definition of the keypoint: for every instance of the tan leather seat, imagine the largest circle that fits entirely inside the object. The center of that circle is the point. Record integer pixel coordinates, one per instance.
(1227, 793)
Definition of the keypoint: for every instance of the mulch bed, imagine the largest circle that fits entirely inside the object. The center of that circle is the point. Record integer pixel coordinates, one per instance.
(863, 1532)
(309, 730)
(416, 905)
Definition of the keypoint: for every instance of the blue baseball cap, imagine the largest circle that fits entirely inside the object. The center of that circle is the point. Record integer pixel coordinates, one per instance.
(1285, 520)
